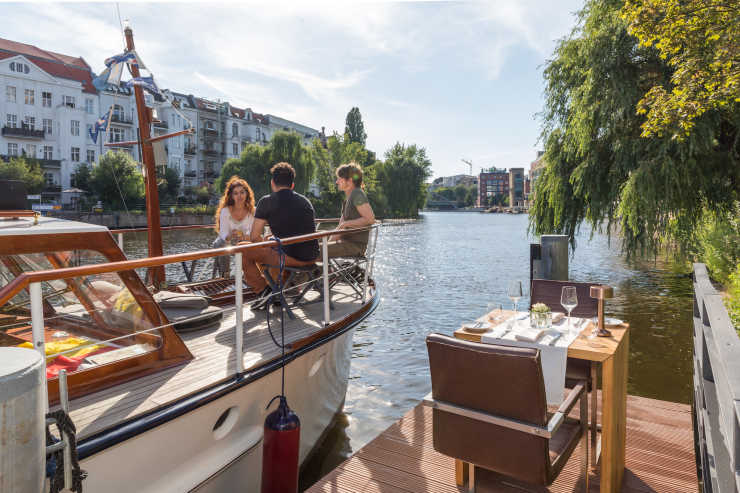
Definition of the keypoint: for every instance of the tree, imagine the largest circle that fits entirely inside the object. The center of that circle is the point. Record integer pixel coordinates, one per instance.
(354, 129)
(117, 182)
(81, 177)
(700, 41)
(599, 169)
(287, 147)
(402, 178)
(168, 183)
(26, 170)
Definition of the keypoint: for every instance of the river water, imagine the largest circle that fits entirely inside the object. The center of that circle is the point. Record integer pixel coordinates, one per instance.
(442, 270)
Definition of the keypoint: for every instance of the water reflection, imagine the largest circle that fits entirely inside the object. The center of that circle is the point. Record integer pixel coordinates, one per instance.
(442, 270)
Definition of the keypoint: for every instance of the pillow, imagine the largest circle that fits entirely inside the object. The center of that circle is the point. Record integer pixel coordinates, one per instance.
(168, 299)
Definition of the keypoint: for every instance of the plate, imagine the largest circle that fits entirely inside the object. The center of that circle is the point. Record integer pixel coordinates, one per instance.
(477, 327)
(612, 321)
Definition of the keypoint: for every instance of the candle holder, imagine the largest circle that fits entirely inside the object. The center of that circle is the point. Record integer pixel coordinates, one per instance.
(602, 293)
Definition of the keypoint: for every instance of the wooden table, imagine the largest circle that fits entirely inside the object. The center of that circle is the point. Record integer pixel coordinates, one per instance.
(612, 352)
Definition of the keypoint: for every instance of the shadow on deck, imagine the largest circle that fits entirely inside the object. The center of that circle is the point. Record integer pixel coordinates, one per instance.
(660, 457)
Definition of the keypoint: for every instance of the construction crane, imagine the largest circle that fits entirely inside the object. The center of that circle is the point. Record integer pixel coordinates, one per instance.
(470, 165)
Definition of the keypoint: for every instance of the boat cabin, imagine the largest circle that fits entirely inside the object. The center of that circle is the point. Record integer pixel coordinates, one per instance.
(102, 328)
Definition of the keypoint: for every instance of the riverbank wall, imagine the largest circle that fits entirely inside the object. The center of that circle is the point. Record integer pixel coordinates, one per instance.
(115, 220)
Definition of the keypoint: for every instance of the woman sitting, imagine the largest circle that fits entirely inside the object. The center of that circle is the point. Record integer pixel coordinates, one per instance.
(235, 213)
(356, 213)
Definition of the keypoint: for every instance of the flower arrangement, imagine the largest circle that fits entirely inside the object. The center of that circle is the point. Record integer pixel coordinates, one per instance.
(540, 316)
(540, 308)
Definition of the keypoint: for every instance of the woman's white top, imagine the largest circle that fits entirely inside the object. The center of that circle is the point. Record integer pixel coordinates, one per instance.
(227, 224)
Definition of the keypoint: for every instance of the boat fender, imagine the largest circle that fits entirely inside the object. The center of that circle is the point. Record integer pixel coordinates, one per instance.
(280, 449)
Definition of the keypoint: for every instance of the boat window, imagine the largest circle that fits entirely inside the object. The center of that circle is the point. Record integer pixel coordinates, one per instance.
(88, 321)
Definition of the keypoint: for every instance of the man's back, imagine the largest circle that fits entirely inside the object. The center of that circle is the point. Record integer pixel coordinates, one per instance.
(290, 214)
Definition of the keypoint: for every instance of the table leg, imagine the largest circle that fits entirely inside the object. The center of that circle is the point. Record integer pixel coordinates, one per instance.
(614, 418)
(461, 472)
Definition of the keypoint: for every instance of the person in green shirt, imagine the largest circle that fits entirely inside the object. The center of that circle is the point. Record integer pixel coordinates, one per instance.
(356, 213)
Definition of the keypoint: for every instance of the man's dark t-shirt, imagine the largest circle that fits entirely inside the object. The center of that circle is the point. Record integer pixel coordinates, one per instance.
(290, 214)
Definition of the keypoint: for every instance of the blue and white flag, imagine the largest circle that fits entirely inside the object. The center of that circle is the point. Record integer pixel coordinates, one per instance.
(109, 76)
(146, 83)
(101, 124)
(130, 57)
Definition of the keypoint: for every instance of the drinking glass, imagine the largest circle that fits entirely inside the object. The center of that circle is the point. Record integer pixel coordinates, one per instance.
(515, 293)
(569, 300)
(494, 312)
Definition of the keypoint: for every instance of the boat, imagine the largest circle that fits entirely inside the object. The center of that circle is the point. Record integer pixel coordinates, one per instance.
(161, 406)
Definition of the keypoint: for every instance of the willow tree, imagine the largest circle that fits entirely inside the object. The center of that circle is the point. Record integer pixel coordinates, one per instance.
(599, 169)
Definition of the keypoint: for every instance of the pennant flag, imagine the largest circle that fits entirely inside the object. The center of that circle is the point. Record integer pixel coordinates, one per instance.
(146, 83)
(109, 76)
(101, 124)
(130, 57)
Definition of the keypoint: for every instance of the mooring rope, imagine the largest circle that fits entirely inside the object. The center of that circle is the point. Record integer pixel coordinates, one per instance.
(67, 430)
(281, 299)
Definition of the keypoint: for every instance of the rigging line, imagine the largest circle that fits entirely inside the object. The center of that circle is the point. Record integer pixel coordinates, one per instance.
(120, 24)
(123, 200)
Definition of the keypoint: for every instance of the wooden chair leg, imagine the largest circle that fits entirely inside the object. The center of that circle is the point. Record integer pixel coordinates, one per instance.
(471, 478)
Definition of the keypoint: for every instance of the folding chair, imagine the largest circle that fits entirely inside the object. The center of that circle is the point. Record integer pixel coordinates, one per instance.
(356, 270)
(315, 282)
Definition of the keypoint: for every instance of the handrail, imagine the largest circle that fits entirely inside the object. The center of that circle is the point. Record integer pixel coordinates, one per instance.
(716, 388)
(22, 281)
(199, 226)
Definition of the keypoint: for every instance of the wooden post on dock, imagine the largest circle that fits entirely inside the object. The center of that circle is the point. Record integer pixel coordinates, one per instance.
(554, 255)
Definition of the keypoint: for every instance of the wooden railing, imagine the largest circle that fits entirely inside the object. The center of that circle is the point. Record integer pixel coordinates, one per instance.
(716, 388)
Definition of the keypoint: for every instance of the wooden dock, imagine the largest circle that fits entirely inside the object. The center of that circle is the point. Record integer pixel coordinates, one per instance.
(660, 457)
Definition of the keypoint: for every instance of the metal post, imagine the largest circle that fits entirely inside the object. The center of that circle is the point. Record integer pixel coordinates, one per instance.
(239, 286)
(64, 403)
(37, 330)
(120, 241)
(325, 262)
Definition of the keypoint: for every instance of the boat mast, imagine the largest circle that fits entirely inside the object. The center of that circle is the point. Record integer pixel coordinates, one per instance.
(155, 275)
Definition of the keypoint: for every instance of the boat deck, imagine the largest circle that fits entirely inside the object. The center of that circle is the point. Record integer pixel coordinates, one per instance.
(660, 457)
(214, 361)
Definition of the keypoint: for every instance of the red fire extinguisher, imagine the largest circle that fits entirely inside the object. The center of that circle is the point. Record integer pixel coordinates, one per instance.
(280, 449)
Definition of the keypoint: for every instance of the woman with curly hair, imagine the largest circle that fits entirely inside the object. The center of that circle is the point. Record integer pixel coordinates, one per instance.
(235, 213)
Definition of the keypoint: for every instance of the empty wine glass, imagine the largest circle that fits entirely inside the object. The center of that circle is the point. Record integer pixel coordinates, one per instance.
(569, 300)
(515, 293)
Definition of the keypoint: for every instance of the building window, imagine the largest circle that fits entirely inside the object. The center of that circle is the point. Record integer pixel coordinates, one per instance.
(10, 94)
(235, 149)
(75, 127)
(89, 106)
(89, 130)
(12, 149)
(234, 130)
(116, 135)
(46, 99)
(49, 179)
(47, 126)
(29, 122)
(69, 101)
(75, 154)
(48, 152)
(90, 156)
(19, 67)
(12, 121)
(31, 150)
(118, 113)
(29, 96)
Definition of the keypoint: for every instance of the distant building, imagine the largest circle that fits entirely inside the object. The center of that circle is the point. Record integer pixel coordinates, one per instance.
(536, 168)
(516, 187)
(492, 182)
(453, 181)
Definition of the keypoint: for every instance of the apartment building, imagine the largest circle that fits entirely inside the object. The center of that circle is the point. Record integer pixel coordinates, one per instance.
(47, 102)
(492, 182)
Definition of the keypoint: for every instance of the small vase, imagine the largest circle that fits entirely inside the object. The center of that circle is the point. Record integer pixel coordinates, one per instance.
(540, 320)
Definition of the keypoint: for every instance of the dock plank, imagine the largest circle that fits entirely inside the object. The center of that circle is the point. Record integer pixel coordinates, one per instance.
(660, 458)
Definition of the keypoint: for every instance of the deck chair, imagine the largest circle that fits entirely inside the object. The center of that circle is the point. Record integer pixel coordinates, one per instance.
(490, 411)
(297, 294)
(355, 270)
(548, 292)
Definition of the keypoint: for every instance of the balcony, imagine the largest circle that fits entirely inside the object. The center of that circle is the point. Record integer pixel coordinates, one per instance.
(52, 189)
(160, 125)
(22, 132)
(51, 163)
(190, 149)
(115, 118)
(190, 174)
(209, 130)
(212, 152)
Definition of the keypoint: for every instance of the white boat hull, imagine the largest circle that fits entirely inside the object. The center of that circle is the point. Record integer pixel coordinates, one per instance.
(186, 453)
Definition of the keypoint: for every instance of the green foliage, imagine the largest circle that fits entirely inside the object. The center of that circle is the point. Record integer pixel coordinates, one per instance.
(354, 129)
(700, 42)
(168, 183)
(733, 298)
(81, 177)
(462, 195)
(25, 170)
(402, 177)
(599, 169)
(718, 242)
(117, 182)
(255, 162)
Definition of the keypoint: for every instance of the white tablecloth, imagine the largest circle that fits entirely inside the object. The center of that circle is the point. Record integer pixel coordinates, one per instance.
(553, 357)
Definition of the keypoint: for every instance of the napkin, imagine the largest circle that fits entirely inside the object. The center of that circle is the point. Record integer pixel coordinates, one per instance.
(529, 334)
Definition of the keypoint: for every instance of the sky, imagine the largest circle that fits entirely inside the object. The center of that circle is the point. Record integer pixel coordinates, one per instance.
(462, 80)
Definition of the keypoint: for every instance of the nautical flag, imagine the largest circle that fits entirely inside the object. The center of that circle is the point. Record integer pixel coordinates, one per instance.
(101, 124)
(146, 83)
(130, 57)
(109, 76)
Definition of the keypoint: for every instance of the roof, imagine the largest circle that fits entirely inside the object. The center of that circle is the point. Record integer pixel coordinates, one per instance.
(259, 118)
(47, 226)
(56, 64)
(237, 112)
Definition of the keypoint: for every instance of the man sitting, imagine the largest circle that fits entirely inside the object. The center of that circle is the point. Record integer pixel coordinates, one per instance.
(288, 214)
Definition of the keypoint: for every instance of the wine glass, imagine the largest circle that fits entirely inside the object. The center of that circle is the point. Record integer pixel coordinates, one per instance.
(515, 293)
(569, 300)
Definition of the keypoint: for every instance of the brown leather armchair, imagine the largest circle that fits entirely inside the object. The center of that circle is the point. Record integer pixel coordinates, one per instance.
(489, 410)
(548, 292)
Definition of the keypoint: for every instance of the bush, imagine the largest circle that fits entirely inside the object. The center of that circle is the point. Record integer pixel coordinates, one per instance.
(26, 170)
(733, 298)
(718, 243)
